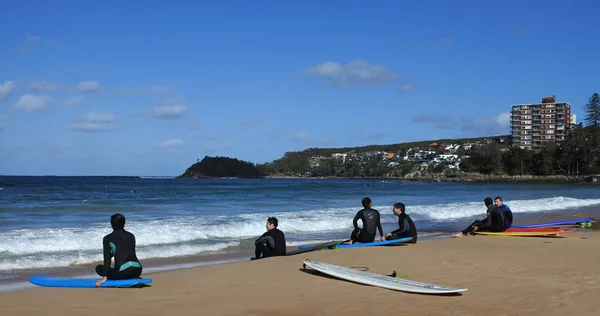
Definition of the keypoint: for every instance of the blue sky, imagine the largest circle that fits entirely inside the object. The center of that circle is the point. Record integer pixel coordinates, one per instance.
(148, 87)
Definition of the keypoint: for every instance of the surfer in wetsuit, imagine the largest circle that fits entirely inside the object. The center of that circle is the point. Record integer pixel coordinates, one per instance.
(508, 215)
(370, 219)
(406, 227)
(271, 243)
(119, 244)
(493, 222)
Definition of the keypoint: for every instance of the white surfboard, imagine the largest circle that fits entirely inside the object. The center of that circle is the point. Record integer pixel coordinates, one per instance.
(383, 281)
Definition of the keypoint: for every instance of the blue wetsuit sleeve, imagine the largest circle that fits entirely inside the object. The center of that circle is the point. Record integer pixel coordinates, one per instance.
(107, 256)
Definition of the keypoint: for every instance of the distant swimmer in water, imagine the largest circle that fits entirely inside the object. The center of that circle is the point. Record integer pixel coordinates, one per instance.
(119, 244)
(371, 222)
(271, 243)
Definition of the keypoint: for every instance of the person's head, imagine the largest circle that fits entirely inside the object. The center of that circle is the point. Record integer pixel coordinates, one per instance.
(366, 202)
(399, 208)
(272, 222)
(488, 201)
(498, 201)
(117, 221)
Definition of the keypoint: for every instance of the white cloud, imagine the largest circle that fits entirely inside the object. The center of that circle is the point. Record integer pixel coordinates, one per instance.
(3, 124)
(251, 121)
(88, 86)
(405, 88)
(437, 120)
(44, 86)
(172, 109)
(32, 102)
(354, 74)
(6, 89)
(164, 89)
(300, 137)
(503, 119)
(448, 40)
(93, 122)
(169, 143)
(74, 100)
(495, 125)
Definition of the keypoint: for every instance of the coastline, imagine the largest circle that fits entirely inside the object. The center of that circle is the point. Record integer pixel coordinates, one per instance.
(518, 268)
(476, 179)
(17, 281)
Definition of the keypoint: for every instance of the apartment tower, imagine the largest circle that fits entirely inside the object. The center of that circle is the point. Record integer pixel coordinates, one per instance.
(534, 124)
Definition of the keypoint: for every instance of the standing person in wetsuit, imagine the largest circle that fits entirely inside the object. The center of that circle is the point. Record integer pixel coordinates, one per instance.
(493, 222)
(371, 220)
(119, 244)
(406, 227)
(508, 215)
(271, 243)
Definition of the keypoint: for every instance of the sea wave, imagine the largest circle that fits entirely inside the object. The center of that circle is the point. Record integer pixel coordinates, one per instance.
(189, 235)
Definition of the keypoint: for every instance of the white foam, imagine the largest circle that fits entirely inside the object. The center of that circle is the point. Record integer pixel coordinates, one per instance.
(181, 236)
(65, 259)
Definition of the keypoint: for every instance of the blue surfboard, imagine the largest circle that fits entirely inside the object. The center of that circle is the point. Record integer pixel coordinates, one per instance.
(54, 281)
(368, 244)
(558, 223)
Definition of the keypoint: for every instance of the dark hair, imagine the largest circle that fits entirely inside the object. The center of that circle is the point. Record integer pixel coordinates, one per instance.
(273, 220)
(400, 206)
(366, 201)
(488, 201)
(117, 221)
(498, 198)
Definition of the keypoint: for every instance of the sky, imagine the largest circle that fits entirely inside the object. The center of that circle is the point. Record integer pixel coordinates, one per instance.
(145, 88)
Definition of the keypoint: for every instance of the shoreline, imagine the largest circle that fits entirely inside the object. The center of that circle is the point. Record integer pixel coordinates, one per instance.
(19, 279)
(523, 283)
(475, 179)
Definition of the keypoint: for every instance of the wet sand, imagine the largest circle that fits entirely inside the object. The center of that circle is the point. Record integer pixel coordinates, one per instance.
(504, 276)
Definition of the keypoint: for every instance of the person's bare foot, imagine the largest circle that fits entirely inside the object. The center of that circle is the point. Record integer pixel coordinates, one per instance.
(458, 235)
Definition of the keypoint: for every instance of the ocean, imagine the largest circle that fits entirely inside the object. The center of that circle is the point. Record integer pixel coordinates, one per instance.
(50, 223)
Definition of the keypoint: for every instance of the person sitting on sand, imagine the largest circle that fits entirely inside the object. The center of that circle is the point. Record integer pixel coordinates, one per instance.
(271, 243)
(508, 215)
(371, 220)
(406, 225)
(494, 220)
(119, 244)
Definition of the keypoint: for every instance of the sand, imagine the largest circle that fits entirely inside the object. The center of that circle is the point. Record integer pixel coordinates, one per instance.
(504, 276)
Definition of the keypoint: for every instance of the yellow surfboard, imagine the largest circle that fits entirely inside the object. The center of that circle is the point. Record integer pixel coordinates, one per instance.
(522, 234)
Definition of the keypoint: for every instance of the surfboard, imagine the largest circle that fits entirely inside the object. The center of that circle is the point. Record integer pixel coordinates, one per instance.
(308, 248)
(536, 230)
(367, 244)
(55, 281)
(521, 234)
(338, 245)
(388, 282)
(303, 249)
(557, 223)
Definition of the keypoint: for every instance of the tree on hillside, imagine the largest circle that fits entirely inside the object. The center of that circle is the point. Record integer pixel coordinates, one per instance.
(592, 110)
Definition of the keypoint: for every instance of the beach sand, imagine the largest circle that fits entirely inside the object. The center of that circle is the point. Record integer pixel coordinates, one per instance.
(504, 276)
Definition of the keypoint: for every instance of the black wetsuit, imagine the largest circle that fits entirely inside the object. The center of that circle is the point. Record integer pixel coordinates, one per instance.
(406, 229)
(493, 222)
(371, 221)
(270, 244)
(119, 244)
